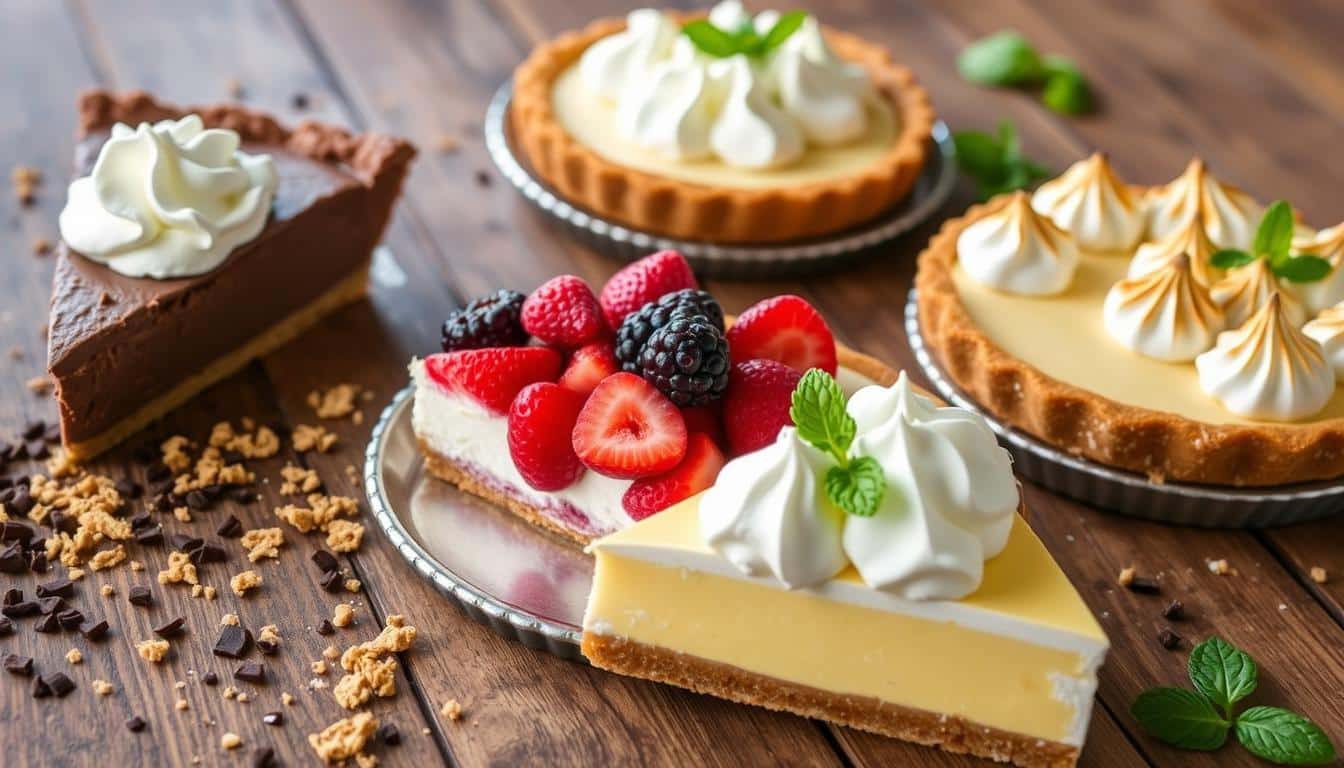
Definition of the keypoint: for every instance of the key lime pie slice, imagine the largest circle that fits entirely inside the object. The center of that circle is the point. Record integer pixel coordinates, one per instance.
(729, 128)
(869, 568)
(1155, 330)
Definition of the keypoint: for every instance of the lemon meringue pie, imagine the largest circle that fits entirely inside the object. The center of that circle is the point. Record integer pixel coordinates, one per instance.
(1160, 363)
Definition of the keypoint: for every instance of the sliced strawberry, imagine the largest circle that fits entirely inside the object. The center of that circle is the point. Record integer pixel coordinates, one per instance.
(492, 377)
(628, 429)
(784, 328)
(707, 419)
(587, 366)
(564, 312)
(541, 419)
(694, 474)
(643, 281)
(756, 405)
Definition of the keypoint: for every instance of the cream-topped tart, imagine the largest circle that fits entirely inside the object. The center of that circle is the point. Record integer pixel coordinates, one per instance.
(921, 607)
(726, 127)
(1182, 356)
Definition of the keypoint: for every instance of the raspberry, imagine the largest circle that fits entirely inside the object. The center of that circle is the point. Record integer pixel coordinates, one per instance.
(687, 360)
(643, 281)
(639, 325)
(563, 312)
(490, 321)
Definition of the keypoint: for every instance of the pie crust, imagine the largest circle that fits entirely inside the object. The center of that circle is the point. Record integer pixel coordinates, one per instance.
(1164, 446)
(675, 208)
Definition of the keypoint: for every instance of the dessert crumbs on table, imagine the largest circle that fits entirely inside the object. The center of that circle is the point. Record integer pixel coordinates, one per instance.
(152, 650)
(331, 652)
(230, 741)
(452, 710)
(298, 480)
(103, 687)
(1220, 567)
(180, 570)
(228, 620)
(287, 699)
(334, 403)
(269, 634)
(74, 656)
(230, 692)
(1126, 576)
(39, 385)
(312, 438)
(262, 542)
(42, 246)
(136, 565)
(181, 705)
(319, 667)
(107, 590)
(344, 535)
(244, 582)
(1319, 575)
(344, 738)
(353, 585)
(343, 615)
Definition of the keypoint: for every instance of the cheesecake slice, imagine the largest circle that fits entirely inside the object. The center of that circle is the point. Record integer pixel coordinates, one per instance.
(161, 313)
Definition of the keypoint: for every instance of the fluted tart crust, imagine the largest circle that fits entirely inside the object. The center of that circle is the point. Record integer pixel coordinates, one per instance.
(1162, 445)
(675, 208)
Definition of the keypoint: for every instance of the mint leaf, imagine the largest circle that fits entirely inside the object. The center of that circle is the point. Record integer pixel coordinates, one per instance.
(995, 161)
(1005, 58)
(1067, 92)
(1181, 718)
(858, 488)
(979, 154)
(1274, 236)
(1283, 737)
(818, 411)
(1222, 672)
(1230, 258)
(710, 39)
(782, 30)
(1304, 268)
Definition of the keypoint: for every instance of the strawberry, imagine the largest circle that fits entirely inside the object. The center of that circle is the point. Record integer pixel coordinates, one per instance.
(492, 377)
(643, 281)
(784, 328)
(694, 474)
(563, 312)
(540, 422)
(707, 419)
(628, 429)
(756, 405)
(587, 366)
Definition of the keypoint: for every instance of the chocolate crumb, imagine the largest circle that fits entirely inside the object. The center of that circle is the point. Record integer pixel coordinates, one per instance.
(251, 672)
(12, 596)
(210, 678)
(47, 624)
(326, 628)
(331, 581)
(482, 179)
(1169, 639)
(59, 684)
(273, 718)
(94, 630)
(34, 429)
(1144, 585)
(1175, 611)
(56, 588)
(171, 629)
(140, 596)
(141, 521)
(264, 758)
(150, 536)
(6, 626)
(299, 100)
(231, 528)
(389, 735)
(135, 724)
(267, 647)
(40, 689)
(233, 643)
(71, 619)
(20, 609)
(19, 665)
(325, 561)
(49, 605)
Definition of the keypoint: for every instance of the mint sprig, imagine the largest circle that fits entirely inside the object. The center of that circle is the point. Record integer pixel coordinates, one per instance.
(723, 43)
(856, 484)
(995, 161)
(1201, 719)
(1274, 242)
(1006, 60)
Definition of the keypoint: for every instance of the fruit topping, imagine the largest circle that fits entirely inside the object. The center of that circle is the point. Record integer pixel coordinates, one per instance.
(628, 429)
(694, 474)
(640, 325)
(541, 420)
(784, 328)
(490, 321)
(643, 281)
(493, 377)
(756, 405)
(687, 360)
(587, 366)
(706, 419)
(565, 313)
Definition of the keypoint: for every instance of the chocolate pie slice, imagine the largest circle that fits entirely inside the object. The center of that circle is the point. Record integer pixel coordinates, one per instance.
(196, 239)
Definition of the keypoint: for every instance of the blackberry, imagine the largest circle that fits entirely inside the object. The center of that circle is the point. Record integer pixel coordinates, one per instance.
(490, 321)
(687, 360)
(639, 325)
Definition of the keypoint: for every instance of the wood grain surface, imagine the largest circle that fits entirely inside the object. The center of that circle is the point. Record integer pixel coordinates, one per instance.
(1257, 89)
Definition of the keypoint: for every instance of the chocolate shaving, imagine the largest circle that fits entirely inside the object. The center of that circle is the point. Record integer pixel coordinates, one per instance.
(140, 596)
(251, 672)
(171, 629)
(233, 642)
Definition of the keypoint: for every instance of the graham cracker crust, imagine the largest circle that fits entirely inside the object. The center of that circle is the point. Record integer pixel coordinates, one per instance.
(948, 733)
(345, 292)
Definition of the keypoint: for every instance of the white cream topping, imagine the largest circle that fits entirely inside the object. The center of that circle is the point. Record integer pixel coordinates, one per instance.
(1329, 245)
(1327, 329)
(1267, 369)
(1245, 289)
(1189, 240)
(1166, 314)
(1091, 203)
(1017, 250)
(750, 113)
(1228, 215)
(168, 200)
(767, 513)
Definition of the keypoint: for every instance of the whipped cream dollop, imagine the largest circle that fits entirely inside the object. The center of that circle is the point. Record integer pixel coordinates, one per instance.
(1166, 314)
(1017, 250)
(1329, 245)
(1189, 240)
(168, 200)
(1267, 368)
(1245, 289)
(1228, 215)
(1327, 329)
(1091, 203)
(750, 112)
(948, 506)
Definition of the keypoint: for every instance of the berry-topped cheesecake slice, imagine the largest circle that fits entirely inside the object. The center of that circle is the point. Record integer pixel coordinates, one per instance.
(584, 412)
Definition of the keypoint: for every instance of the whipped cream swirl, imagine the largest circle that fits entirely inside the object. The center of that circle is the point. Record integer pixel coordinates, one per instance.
(1091, 203)
(1329, 245)
(1327, 329)
(1017, 250)
(1228, 215)
(168, 200)
(1164, 314)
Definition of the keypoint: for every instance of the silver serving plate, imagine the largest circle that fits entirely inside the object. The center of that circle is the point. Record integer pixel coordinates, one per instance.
(504, 573)
(930, 191)
(1130, 493)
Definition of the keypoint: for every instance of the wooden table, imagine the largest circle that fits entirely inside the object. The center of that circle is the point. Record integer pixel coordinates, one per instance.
(1259, 92)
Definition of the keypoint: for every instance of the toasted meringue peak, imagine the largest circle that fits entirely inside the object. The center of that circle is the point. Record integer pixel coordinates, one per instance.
(1166, 314)
(1228, 215)
(1189, 240)
(1017, 250)
(1267, 368)
(1329, 245)
(1247, 288)
(1327, 329)
(1091, 203)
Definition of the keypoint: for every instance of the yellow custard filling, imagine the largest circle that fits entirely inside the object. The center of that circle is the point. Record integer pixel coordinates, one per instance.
(1064, 337)
(591, 120)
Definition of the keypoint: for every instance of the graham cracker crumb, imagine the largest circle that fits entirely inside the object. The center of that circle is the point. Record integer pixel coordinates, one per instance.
(245, 581)
(229, 619)
(451, 710)
(320, 512)
(1219, 567)
(287, 699)
(344, 738)
(181, 705)
(269, 634)
(371, 667)
(253, 443)
(74, 656)
(75, 574)
(262, 542)
(1126, 576)
(175, 455)
(182, 514)
(343, 616)
(107, 590)
(318, 667)
(107, 558)
(180, 685)
(230, 692)
(335, 403)
(209, 592)
(42, 246)
(103, 688)
(1318, 574)
(353, 585)
(137, 566)
(39, 385)
(331, 652)
(93, 501)
(308, 438)
(211, 469)
(230, 741)
(344, 535)
(152, 650)
(364, 760)
(243, 697)
(298, 480)
(357, 418)
(180, 569)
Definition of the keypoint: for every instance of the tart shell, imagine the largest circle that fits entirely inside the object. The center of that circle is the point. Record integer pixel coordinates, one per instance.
(1164, 446)
(674, 208)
